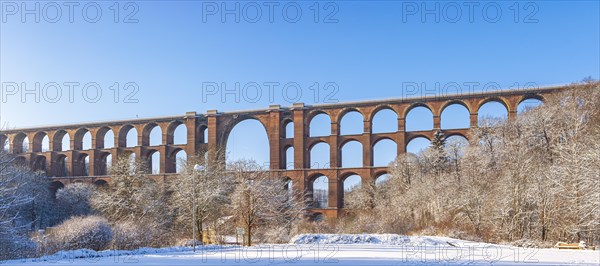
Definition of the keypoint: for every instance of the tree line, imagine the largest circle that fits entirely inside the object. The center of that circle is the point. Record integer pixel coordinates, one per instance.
(535, 179)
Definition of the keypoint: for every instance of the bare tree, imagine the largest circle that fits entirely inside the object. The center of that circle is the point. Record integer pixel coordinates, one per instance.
(261, 201)
(210, 187)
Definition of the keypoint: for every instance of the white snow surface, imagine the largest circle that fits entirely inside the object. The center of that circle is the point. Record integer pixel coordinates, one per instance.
(330, 249)
(380, 239)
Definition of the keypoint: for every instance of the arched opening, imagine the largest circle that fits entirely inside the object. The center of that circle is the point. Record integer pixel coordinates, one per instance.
(109, 139)
(289, 158)
(455, 116)
(180, 161)
(62, 169)
(180, 135)
(21, 143)
(384, 152)
(382, 179)
(289, 187)
(154, 162)
(132, 160)
(84, 165)
(455, 146)
(104, 168)
(41, 142)
(351, 185)
(320, 125)
(384, 121)
(319, 156)
(101, 183)
(66, 143)
(202, 132)
(131, 138)
(352, 154)
(45, 143)
(418, 119)
(417, 145)
(528, 104)
(82, 140)
(289, 130)
(26, 145)
(86, 143)
(352, 123)
(248, 140)
(55, 186)
(5, 143)
(492, 111)
(39, 164)
(320, 192)
(318, 217)
(155, 136)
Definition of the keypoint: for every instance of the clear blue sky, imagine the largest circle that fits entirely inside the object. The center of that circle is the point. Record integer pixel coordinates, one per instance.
(370, 50)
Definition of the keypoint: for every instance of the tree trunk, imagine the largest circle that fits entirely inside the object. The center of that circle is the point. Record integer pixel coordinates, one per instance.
(249, 235)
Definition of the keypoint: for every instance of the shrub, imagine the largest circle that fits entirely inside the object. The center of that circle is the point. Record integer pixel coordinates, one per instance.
(76, 198)
(91, 232)
(16, 247)
(130, 235)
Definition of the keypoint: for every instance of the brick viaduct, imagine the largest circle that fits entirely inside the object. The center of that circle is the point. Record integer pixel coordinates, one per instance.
(89, 165)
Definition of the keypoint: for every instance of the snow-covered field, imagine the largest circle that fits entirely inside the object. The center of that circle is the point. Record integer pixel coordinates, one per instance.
(332, 249)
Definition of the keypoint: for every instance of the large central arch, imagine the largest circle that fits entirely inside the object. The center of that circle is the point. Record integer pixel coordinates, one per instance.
(247, 139)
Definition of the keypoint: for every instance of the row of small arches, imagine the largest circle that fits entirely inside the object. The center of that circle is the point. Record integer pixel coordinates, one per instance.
(351, 153)
(83, 139)
(319, 188)
(103, 166)
(419, 118)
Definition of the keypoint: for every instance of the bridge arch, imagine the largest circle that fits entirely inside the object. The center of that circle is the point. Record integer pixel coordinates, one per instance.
(319, 124)
(177, 133)
(128, 136)
(152, 135)
(319, 155)
(20, 143)
(259, 144)
(318, 187)
(4, 141)
(41, 142)
(351, 121)
(418, 117)
(384, 119)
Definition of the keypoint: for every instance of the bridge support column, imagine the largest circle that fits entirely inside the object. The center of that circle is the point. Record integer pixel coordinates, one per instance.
(473, 120)
(437, 122)
(367, 145)
(299, 137)
(192, 134)
(334, 151)
(274, 131)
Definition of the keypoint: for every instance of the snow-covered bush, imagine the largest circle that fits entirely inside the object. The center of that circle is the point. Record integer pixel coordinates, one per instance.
(91, 232)
(15, 246)
(130, 235)
(76, 199)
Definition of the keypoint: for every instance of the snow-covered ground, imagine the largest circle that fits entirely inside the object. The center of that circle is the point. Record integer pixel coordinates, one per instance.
(332, 249)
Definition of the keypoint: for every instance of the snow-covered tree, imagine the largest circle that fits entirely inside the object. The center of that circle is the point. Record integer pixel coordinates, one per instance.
(262, 201)
(204, 185)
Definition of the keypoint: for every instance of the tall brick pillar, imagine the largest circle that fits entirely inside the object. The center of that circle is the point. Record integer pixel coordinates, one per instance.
(473, 120)
(334, 153)
(192, 137)
(300, 151)
(274, 133)
(367, 146)
(213, 131)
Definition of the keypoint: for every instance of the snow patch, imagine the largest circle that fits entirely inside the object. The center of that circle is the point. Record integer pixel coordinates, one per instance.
(378, 239)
